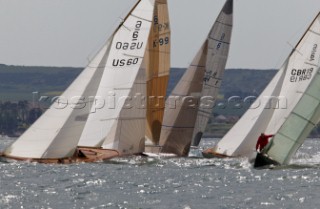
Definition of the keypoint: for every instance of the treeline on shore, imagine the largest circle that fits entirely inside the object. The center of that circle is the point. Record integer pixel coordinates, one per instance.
(22, 86)
(16, 117)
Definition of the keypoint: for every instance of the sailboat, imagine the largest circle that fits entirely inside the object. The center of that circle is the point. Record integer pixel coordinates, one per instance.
(157, 59)
(297, 127)
(190, 105)
(93, 113)
(275, 104)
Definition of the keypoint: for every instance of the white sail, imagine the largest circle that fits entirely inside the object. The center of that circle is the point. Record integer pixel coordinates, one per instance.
(243, 135)
(288, 85)
(202, 78)
(113, 126)
(304, 117)
(57, 132)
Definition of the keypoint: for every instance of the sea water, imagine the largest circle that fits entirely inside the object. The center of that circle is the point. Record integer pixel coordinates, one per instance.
(161, 183)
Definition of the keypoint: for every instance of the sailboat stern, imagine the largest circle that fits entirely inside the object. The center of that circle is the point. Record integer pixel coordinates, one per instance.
(263, 160)
(9, 158)
(211, 153)
(151, 148)
(91, 154)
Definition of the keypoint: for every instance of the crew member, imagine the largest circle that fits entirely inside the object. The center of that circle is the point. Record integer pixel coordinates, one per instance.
(263, 140)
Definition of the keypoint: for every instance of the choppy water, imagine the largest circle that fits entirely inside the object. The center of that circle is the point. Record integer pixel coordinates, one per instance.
(141, 182)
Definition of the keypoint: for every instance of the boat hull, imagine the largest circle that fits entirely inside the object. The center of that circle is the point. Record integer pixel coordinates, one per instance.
(5, 158)
(82, 154)
(89, 154)
(209, 153)
(262, 160)
(155, 149)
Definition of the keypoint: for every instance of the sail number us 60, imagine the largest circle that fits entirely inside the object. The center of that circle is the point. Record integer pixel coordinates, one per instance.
(123, 62)
(134, 45)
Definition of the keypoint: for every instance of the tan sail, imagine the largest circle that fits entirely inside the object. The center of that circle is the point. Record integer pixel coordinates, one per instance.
(186, 118)
(157, 60)
(180, 115)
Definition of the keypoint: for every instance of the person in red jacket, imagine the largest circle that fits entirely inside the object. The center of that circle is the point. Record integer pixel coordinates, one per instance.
(263, 140)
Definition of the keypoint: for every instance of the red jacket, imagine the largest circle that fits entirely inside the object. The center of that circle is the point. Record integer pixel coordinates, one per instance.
(262, 141)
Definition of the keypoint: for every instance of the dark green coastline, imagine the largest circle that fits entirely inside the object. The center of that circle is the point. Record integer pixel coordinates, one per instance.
(22, 86)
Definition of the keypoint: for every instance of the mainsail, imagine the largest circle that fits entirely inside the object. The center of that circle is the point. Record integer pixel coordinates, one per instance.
(297, 127)
(56, 134)
(217, 55)
(277, 101)
(185, 115)
(157, 59)
(304, 117)
(118, 125)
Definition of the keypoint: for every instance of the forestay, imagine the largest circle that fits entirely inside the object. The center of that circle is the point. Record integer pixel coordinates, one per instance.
(117, 121)
(202, 78)
(284, 91)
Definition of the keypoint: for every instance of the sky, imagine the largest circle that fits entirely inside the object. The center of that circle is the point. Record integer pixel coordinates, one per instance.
(69, 32)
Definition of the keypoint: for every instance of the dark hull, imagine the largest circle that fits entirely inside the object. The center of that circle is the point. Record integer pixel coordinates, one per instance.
(263, 160)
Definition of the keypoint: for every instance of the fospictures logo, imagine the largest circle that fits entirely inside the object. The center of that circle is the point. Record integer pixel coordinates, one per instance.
(139, 101)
